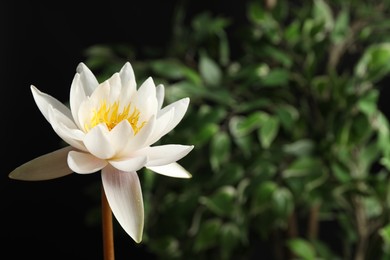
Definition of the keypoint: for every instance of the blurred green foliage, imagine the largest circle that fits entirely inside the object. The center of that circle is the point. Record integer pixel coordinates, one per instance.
(292, 153)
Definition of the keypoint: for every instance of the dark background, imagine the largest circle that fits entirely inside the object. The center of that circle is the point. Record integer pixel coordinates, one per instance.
(41, 44)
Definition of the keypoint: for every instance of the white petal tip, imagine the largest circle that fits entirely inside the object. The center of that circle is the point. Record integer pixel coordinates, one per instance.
(138, 240)
(19, 175)
(189, 176)
(80, 67)
(172, 170)
(46, 167)
(34, 89)
(15, 175)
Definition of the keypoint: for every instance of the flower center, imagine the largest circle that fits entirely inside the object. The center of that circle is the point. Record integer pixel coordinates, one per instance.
(110, 115)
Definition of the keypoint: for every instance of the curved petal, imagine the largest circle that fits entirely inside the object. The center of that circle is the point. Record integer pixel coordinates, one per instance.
(181, 107)
(128, 82)
(115, 88)
(44, 100)
(101, 93)
(77, 96)
(165, 154)
(124, 194)
(98, 143)
(88, 80)
(66, 129)
(131, 164)
(160, 93)
(147, 89)
(85, 162)
(139, 139)
(85, 113)
(145, 99)
(147, 108)
(49, 166)
(162, 123)
(171, 170)
(120, 135)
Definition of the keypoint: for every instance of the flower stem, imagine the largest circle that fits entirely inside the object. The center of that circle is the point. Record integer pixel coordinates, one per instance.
(108, 233)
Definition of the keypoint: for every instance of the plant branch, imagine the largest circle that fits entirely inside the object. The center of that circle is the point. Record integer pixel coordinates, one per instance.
(338, 50)
(362, 228)
(312, 232)
(108, 233)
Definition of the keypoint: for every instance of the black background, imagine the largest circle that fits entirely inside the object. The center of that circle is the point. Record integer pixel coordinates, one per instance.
(41, 44)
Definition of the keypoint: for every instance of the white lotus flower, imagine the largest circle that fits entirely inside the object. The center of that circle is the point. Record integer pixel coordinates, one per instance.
(111, 127)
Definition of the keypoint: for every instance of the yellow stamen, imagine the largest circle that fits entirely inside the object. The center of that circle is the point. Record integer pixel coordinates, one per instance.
(110, 115)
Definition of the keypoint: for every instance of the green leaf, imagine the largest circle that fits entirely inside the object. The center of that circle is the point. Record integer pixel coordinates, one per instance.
(341, 173)
(324, 251)
(373, 207)
(320, 177)
(205, 134)
(166, 246)
(385, 234)
(275, 78)
(302, 166)
(292, 33)
(221, 202)
(299, 148)
(210, 71)
(385, 162)
(208, 114)
(245, 143)
(368, 155)
(192, 75)
(302, 248)
(256, 13)
(168, 68)
(320, 86)
(230, 173)
(368, 103)
(244, 125)
(219, 149)
(323, 13)
(205, 25)
(278, 55)
(262, 196)
(251, 105)
(381, 124)
(375, 62)
(282, 202)
(230, 236)
(220, 96)
(341, 27)
(208, 234)
(268, 131)
(361, 129)
(224, 49)
(184, 89)
(287, 115)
